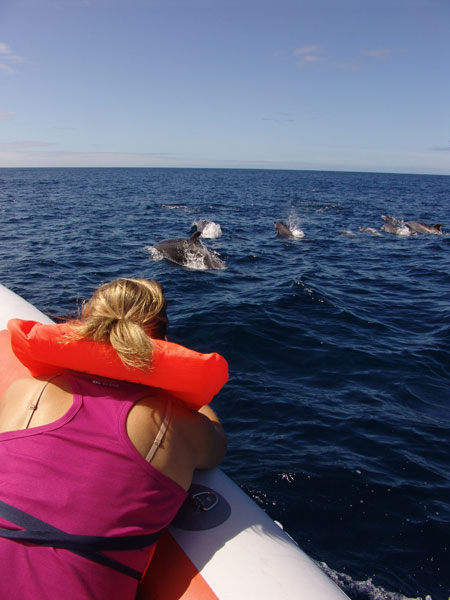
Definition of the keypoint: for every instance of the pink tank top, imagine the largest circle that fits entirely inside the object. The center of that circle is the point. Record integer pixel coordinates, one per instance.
(81, 474)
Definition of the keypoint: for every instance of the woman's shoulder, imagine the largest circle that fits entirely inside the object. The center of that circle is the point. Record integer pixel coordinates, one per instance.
(24, 384)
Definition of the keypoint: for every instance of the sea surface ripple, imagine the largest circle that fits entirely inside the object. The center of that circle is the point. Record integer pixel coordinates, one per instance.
(337, 409)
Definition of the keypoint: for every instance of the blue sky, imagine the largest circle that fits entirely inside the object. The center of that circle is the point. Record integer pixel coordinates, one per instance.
(352, 85)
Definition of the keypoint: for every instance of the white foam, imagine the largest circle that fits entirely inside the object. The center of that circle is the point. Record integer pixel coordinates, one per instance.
(365, 589)
(371, 230)
(154, 254)
(174, 206)
(403, 231)
(195, 259)
(294, 224)
(209, 229)
(298, 233)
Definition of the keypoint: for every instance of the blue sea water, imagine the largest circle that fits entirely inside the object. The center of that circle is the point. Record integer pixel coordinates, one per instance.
(337, 410)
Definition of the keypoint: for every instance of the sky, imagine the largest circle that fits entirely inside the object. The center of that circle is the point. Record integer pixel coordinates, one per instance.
(341, 85)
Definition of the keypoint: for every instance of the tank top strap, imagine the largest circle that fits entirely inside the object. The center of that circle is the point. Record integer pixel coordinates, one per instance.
(161, 433)
(33, 406)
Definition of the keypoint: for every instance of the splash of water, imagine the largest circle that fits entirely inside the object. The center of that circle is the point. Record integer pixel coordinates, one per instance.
(294, 224)
(209, 229)
(364, 590)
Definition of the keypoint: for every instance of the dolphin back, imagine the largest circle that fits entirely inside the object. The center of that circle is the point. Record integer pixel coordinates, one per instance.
(190, 253)
(194, 237)
(282, 229)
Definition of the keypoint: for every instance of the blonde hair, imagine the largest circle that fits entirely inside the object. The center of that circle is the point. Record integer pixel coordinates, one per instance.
(125, 313)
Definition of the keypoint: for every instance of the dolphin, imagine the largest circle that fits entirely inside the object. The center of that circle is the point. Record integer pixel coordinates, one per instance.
(370, 230)
(286, 232)
(414, 226)
(418, 227)
(392, 220)
(190, 253)
(282, 229)
(395, 226)
(400, 230)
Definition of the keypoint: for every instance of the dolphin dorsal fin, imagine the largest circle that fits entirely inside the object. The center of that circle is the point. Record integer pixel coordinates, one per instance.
(195, 236)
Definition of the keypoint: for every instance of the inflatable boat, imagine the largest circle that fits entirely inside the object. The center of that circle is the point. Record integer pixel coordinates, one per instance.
(221, 544)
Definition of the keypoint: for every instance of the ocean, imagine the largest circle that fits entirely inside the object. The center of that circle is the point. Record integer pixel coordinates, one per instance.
(337, 409)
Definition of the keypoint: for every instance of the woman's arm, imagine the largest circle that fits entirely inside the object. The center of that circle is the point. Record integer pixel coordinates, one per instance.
(209, 439)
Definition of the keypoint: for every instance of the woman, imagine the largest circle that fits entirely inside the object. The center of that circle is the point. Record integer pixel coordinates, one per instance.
(92, 468)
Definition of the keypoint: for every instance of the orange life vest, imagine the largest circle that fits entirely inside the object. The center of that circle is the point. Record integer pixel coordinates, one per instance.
(191, 376)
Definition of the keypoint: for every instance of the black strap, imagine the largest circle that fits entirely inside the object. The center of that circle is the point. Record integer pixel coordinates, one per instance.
(42, 533)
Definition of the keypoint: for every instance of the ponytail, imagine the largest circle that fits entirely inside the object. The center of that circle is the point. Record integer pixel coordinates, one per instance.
(125, 313)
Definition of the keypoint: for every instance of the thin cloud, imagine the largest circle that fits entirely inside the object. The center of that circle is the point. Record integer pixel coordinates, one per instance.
(6, 69)
(308, 54)
(6, 52)
(349, 65)
(281, 118)
(4, 48)
(306, 50)
(311, 58)
(7, 56)
(380, 52)
(6, 114)
(441, 149)
(23, 154)
(25, 144)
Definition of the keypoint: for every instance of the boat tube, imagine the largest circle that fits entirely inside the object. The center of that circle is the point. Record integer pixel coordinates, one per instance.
(221, 544)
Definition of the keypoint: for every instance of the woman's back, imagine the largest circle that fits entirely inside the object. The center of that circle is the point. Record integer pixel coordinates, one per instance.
(192, 440)
(84, 472)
